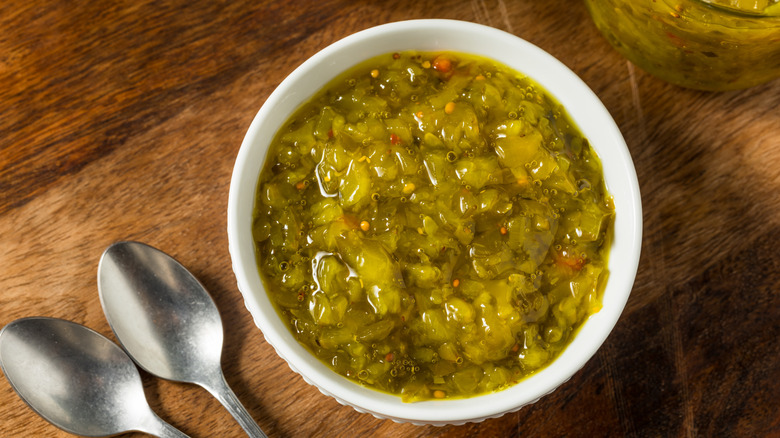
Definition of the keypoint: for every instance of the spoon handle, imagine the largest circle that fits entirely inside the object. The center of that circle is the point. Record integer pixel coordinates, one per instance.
(221, 390)
(159, 428)
(169, 431)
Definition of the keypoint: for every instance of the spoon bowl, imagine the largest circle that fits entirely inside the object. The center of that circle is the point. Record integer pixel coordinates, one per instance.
(166, 321)
(76, 379)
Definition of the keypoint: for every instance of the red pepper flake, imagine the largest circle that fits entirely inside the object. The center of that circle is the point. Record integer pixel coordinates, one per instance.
(564, 259)
(330, 133)
(442, 64)
(677, 41)
(389, 357)
(300, 185)
(455, 283)
(503, 230)
(394, 139)
(396, 55)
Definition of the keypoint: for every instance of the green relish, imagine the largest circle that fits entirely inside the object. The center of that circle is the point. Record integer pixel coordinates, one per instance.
(713, 45)
(433, 225)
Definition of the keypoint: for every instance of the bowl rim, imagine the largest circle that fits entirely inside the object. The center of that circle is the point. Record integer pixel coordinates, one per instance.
(431, 35)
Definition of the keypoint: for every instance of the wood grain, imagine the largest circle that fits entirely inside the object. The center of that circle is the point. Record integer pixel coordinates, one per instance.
(122, 120)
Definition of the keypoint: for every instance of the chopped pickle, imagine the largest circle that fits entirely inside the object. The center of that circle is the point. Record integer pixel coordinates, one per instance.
(433, 225)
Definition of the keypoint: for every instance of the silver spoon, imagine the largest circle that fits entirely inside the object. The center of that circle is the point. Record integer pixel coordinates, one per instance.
(77, 379)
(166, 320)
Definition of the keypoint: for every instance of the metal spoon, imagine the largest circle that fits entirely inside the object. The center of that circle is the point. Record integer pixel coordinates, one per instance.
(166, 320)
(77, 379)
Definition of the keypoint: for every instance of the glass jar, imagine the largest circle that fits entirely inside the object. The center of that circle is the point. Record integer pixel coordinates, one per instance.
(708, 45)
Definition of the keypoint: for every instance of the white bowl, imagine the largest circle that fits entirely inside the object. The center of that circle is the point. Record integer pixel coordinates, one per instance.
(435, 35)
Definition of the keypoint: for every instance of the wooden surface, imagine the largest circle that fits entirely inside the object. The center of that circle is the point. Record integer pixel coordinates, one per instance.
(122, 120)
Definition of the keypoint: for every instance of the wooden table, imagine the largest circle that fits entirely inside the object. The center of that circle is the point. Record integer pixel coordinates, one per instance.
(122, 120)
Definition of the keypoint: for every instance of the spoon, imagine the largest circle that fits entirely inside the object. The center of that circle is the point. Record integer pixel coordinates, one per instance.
(77, 379)
(166, 320)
